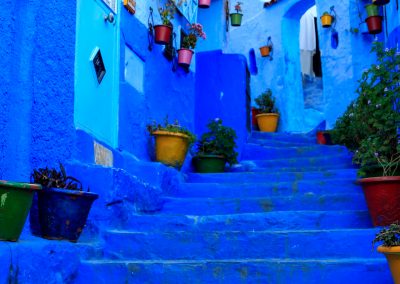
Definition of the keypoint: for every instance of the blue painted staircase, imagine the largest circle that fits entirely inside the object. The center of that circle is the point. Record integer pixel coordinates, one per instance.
(291, 213)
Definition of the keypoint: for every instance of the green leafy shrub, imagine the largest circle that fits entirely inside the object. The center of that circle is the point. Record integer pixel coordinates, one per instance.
(266, 102)
(171, 127)
(369, 127)
(389, 236)
(219, 140)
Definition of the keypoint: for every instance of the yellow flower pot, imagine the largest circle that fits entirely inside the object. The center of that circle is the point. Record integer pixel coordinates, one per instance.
(267, 122)
(171, 148)
(326, 20)
(393, 258)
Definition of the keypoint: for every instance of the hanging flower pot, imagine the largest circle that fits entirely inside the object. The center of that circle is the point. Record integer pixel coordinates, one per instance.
(383, 198)
(374, 24)
(204, 3)
(372, 10)
(209, 163)
(380, 2)
(162, 34)
(185, 56)
(326, 20)
(15, 202)
(236, 19)
(264, 50)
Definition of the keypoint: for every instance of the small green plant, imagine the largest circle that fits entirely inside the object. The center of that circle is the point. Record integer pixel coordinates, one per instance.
(53, 178)
(389, 236)
(266, 102)
(171, 127)
(371, 123)
(195, 32)
(167, 12)
(219, 140)
(238, 7)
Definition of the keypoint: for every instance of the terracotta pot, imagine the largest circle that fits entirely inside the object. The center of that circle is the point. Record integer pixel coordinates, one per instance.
(185, 56)
(204, 3)
(267, 122)
(326, 20)
(264, 50)
(382, 195)
(171, 148)
(380, 2)
(254, 112)
(374, 24)
(162, 34)
(393, 258)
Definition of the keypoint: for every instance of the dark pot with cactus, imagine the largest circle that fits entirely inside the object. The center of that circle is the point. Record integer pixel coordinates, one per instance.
(61, 209)
(215, 148)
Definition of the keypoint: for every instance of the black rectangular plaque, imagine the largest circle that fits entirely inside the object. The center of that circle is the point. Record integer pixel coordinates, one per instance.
(99, 67)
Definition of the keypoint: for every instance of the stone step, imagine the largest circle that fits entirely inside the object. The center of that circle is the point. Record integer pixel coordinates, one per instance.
(259, 152)
(214, 206)
(272, 176)
(274, 271)
(300, 244)
(266, 189)
(284, 137)
(278, 220)
(282, 143)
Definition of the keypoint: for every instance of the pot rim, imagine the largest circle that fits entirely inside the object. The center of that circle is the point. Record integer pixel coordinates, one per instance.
(169, 133)
(185, 49)
(380, 179)
(267, 114)
(20, 185)
(70, 192)
(388, 250)
(376, 16)
(163, 26)
(236, 13)
(326, 15)
(209, 156)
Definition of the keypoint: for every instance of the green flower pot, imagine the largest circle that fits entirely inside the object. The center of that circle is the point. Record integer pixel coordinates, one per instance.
(372, 10)
(15, 202)
(236, 19)
(209, 163)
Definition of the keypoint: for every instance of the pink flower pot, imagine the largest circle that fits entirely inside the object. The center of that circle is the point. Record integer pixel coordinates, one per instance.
(185, 56)
(204, 3)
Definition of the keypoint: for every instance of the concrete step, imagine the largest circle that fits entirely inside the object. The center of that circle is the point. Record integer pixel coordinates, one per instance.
(273, 271)
(281, 143)
(284, 137)
(277, 220)
(213, 206)
(266, 189)
(259, 152)
(300, 244)
(272, 176)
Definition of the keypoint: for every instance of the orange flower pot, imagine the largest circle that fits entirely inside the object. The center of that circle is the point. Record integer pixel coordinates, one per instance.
(171, 148)
(326, 20)
(265, 50)
(393, 258)
(267, 122)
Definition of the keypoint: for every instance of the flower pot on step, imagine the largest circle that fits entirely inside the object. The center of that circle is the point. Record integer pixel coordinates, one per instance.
(63, 212)
(382, 195)
(204, 3)
(374, 24)
(15, 202)
(236, 19)
(209, 163)
(185, 56)
(392, 255)
(267, 122)
(162, 34)
(171, 147)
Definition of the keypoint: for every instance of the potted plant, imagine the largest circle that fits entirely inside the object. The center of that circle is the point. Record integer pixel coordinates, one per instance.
(204, 3)
(267, 120)
(189, 42)
(163, 31)
(236, 18)
(374, 20)
(15, 202)
(326, 19)
(390, 246)
(215, 148)
(369, 128)
(62, 206)
(172, 142)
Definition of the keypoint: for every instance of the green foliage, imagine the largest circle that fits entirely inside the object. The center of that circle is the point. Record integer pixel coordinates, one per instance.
(389, 236)
(175, 127)
(167, 12)
(219, 140)
(54, 178)
(370, 124)
(195, 31)
(266, 102)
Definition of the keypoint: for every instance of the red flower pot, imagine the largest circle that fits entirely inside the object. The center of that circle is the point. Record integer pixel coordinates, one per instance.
(254, 112)
(321, 138)
(374, 24)
(382, 195)
(204, 3)
(162, 34)
(185, 56)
